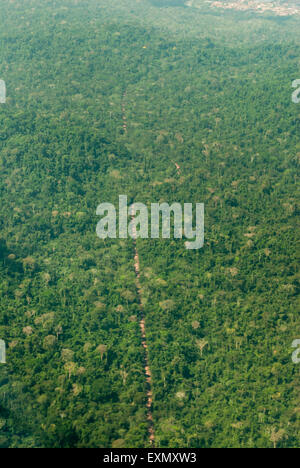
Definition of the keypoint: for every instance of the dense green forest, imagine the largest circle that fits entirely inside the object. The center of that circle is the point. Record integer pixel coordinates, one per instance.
(211, 91)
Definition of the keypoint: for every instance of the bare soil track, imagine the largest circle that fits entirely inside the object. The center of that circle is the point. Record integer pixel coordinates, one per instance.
(148, 375)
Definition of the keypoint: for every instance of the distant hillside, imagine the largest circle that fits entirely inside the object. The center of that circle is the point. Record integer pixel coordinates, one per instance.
(167, 3)
(277, 7)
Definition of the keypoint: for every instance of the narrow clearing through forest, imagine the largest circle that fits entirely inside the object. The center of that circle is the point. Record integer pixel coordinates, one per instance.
(141, 313)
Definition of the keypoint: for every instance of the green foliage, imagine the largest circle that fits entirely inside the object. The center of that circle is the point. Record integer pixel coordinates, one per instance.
(213, 93)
